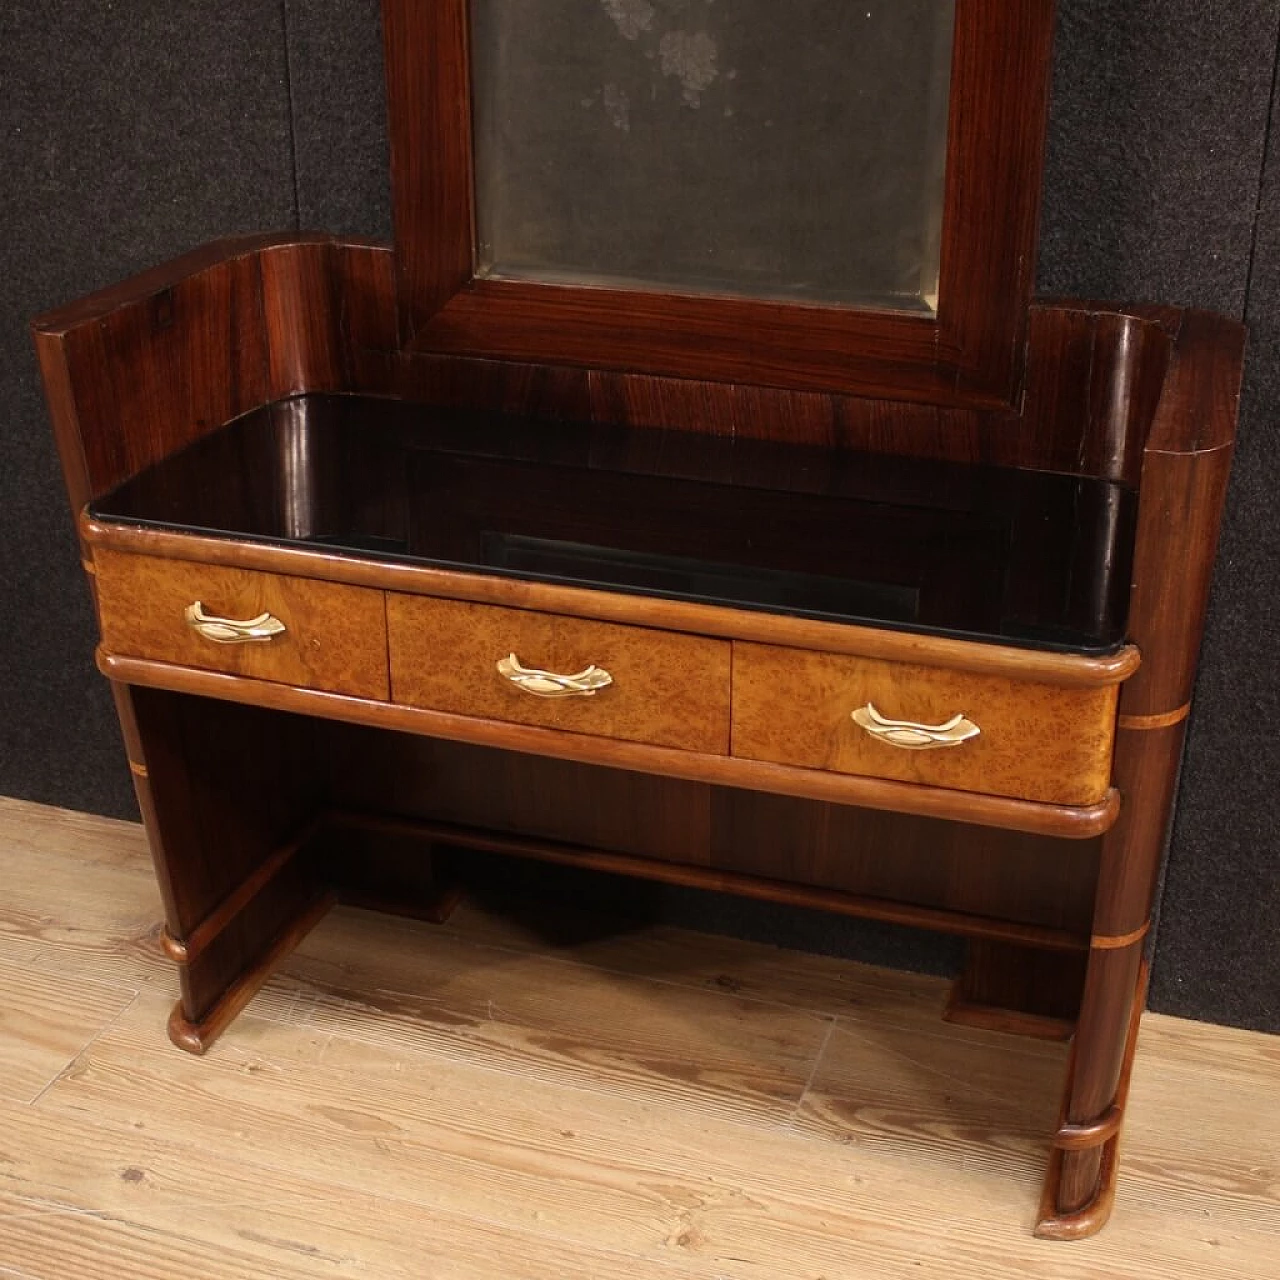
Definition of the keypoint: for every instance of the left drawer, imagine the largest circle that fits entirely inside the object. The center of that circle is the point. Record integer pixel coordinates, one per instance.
(316, 635)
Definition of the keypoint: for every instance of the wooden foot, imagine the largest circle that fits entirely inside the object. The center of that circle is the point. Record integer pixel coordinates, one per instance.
(1015, 1022)
(1019, 990)
(392, 867)
(1091, 1217)
(435, 908)
(1094, 1216)
(197, 1036)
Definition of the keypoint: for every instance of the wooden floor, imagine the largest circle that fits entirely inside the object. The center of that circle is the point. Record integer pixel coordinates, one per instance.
(563, 1099)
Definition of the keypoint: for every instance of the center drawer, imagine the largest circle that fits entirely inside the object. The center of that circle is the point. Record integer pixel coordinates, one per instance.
(1005, 736)
(558, 672)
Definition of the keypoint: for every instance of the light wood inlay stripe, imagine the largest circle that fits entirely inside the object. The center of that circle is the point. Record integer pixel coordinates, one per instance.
(88, 566)
(1083, 1137)
(1100, 943)
(1158, 721)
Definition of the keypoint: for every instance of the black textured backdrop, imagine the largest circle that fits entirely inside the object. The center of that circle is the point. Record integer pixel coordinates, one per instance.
(133, 132)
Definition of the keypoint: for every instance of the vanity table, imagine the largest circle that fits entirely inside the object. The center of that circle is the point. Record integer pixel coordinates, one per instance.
(772, 541)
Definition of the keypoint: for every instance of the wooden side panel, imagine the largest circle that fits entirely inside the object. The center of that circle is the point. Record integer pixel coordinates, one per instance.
(667, 689)
(1179, 517)
(1037, 742)
(153, 375)
(143, 368)
(334, 637)
(302, 313)
(229, 784)
(1184, 478)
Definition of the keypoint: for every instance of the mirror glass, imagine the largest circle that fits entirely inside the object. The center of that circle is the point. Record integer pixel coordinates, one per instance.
(790, 149)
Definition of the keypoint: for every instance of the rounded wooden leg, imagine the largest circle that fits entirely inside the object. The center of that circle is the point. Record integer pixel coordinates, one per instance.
(1081, 1184)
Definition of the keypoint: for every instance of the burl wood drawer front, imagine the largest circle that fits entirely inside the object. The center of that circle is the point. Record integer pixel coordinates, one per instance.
(334, 636)
(1036, 742)
(666, 689)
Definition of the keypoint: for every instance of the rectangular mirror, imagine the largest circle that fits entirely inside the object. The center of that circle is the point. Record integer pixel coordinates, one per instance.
(771, 149)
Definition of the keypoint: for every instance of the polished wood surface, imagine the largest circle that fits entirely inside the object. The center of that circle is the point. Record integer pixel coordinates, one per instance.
(1072, 822)
(1183, 488)
(1092, 380)
(1143, 395)
(1036, 742)
(334, 636)
(968, 355)
(1041, 666)
(392, 1102)
(667, 689)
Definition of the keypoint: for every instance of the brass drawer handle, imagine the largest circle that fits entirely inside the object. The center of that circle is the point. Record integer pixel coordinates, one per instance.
(915, 737)
(232, 630)
(547, 684)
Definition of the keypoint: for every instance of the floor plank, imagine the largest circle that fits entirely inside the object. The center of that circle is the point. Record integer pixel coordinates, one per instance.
(400, 982)
(120, 1201)
(45, 1023)
(755, 971)
(932, 1091)
(493, 1100)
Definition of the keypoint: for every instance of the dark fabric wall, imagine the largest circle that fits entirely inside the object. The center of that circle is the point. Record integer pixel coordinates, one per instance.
(135, 132)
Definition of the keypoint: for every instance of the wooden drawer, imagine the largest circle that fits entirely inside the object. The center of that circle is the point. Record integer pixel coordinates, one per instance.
(334, 636)
(1036, 741)
(667, 689)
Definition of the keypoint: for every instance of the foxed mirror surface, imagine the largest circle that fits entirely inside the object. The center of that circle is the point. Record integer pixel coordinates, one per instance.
(787, 149)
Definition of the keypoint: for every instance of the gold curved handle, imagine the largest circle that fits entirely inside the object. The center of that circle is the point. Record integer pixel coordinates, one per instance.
(232, 630)
(547, 684)
(910, 736)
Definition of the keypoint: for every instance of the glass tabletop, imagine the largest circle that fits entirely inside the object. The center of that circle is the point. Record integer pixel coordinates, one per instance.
(990, 553)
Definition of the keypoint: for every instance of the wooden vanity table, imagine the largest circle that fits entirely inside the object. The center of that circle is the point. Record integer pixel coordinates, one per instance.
(880, 595)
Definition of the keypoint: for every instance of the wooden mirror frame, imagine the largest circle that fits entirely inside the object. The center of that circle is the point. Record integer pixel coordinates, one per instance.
(968, 354)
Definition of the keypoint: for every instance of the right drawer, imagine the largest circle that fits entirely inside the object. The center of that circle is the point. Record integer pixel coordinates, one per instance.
(1035, 741)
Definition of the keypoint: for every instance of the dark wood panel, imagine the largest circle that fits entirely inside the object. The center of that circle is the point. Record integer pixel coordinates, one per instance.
(230, 784)
(521, 846)
(1018, 989)
(425, 48)
(174, 359)
(137, 371)
(1092, 378)
(1032, 879)
(302, 311)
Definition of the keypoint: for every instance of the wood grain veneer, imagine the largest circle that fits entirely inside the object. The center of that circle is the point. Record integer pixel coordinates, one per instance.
(334, 637)
(1039, 666)
(1037, 742)
(1071, 822)
(669, 690)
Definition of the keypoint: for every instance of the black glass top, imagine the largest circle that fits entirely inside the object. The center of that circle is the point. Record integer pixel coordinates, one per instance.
(980, 552)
